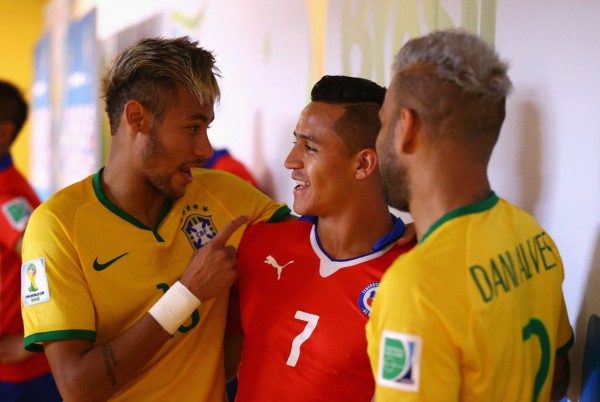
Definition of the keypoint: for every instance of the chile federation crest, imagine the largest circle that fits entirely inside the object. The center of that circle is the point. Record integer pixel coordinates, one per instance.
(365, 299)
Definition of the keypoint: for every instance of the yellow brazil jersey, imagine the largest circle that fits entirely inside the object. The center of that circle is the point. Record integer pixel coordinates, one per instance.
(475, 312)
(91, 271)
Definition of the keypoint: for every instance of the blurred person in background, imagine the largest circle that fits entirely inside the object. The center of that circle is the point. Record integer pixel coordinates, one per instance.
(24, 376)
(223, 160)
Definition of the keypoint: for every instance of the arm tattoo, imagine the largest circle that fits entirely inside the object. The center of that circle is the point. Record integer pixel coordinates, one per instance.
(109, 362)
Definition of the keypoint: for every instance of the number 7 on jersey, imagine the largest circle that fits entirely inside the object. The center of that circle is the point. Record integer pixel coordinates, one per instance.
(311, 324)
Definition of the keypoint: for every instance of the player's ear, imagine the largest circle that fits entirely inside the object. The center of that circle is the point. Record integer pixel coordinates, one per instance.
(137, 117)
(406, 131)
(366, 163)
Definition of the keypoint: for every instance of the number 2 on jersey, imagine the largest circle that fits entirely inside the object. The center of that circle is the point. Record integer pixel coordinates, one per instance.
(311, 324)
(536, 327)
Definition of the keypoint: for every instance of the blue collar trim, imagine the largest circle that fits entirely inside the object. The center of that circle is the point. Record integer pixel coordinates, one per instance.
(393, 235)
(5, 162)
(217, 154)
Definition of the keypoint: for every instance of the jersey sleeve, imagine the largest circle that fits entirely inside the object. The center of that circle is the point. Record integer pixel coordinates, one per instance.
(565, 332)
(261, 207)
(50, 262)
(408, 343)
(240, 198)
(565, 337)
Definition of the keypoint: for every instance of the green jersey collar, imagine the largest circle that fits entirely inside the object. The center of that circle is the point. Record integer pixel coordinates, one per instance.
(96, 182)
(467, 209)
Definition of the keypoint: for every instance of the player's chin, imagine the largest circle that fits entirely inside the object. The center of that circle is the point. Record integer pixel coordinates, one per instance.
(177, 190)
(180, 191)
(179, 185)
(302, 208)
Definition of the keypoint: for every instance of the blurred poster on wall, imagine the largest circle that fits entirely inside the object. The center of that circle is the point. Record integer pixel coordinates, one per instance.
(148, 28)
(41, 167)
(362, 37)
(113, 44)
(78, 145)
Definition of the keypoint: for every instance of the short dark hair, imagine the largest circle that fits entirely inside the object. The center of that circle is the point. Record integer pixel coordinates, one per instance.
(13, 106)
(346, 90)
(361, 99)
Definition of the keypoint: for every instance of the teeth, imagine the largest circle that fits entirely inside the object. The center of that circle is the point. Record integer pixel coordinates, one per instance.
(302, 183)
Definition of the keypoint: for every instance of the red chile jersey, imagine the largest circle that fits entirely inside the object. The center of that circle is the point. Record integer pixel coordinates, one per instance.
(303, 314)
(17, 201)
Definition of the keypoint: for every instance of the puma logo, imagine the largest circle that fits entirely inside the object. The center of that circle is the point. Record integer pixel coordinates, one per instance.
(271, 261)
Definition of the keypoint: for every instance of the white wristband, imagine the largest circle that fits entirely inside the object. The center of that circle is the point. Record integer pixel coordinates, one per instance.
(174, 307)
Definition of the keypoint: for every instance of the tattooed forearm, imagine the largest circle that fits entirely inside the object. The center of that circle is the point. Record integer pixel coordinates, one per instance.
(110, 362)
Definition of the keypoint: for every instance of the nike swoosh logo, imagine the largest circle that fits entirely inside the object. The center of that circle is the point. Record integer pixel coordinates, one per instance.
(102, 267)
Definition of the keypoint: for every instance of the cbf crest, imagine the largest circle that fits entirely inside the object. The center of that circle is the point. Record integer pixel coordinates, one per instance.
(199, 229)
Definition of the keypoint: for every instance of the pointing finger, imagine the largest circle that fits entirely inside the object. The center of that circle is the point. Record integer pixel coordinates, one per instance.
(225, 233)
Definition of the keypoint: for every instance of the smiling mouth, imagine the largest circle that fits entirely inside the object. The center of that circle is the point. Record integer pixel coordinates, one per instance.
(186, 172)
(301, 184)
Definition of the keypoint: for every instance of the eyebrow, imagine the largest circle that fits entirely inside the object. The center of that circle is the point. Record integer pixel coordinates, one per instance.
(306, 137)
(200, 116)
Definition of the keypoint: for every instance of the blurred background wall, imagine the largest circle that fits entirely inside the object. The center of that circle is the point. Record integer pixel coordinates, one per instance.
(22, 23)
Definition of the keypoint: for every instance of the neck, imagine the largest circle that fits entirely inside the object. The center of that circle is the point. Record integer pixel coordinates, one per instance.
(129, 191)
(434, 195)
(350, 234)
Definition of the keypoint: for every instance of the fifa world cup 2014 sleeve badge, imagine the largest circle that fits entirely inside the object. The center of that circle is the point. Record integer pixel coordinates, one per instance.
(34, 283)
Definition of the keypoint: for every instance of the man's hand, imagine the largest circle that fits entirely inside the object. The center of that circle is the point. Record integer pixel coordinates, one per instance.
(211, 269)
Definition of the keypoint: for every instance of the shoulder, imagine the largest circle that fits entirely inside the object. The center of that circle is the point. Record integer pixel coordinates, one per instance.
(66, 202)
(14, 188)
(232, 196)
(221, 184)
(428, 265)
(13, 183)
(509, 210)
(11, 176)
(214, 177)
